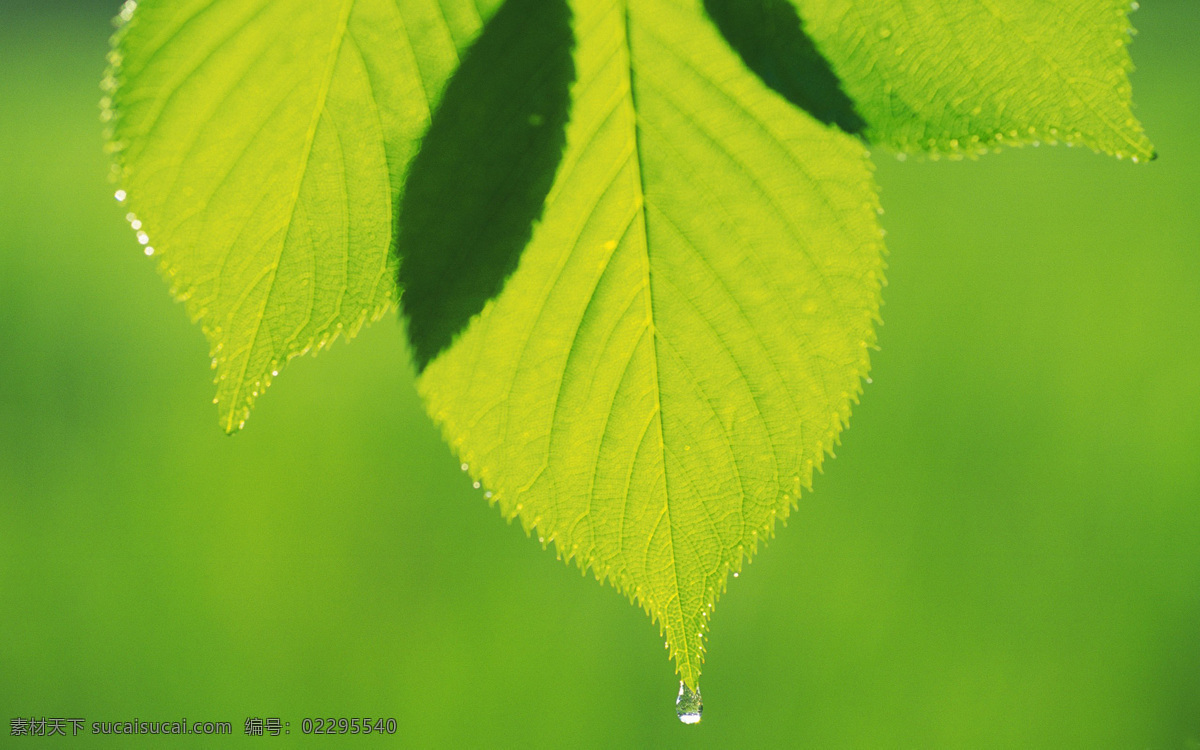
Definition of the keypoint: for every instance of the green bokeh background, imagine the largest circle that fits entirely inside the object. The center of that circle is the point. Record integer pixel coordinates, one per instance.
(1005, 554)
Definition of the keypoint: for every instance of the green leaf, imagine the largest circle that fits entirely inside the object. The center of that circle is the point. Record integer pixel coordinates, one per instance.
(963, 76)
(682, 339)
(262, 147)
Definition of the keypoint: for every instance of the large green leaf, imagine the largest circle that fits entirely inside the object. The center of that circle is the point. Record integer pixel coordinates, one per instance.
(262, 146)
(963, 76)
(683, 337)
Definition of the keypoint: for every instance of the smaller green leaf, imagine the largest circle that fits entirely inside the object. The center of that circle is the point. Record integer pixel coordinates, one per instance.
(261, 148)
(967, 75)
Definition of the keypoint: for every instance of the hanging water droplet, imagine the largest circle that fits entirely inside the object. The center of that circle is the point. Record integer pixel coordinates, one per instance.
(149, 251)
(688, 706)
(464, 467)
(476, 485)
(120, 196)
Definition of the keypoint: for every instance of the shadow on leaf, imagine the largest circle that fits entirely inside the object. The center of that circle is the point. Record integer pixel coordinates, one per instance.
(479, 183)
(769, 36)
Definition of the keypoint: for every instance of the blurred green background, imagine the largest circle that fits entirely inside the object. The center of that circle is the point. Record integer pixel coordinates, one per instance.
(1005, 554)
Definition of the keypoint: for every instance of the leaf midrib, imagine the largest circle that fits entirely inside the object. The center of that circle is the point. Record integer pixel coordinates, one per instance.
(687, 669)
(335, 47)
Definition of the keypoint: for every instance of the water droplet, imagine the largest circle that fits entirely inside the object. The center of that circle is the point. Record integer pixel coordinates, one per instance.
(149, 251)
(120, 196)
(735, 575)
(126, 13)
(464, 467)
(476, 485)
(143, 238)
(688, 706)
(136, 224)
(487, 495)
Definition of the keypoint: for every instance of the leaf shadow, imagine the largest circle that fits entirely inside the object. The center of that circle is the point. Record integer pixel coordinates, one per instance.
(479, 183)
(770, 38)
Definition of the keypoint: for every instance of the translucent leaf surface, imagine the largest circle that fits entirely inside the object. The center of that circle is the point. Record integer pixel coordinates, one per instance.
(682, 339)
(962, 75)
(261, 148)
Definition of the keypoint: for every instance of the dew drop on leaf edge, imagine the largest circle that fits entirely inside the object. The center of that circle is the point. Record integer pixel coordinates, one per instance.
(688, 706)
